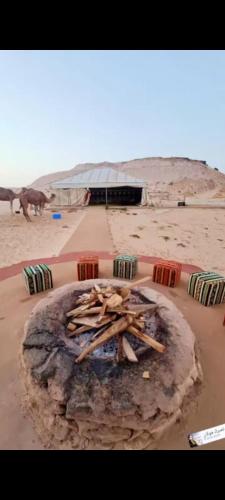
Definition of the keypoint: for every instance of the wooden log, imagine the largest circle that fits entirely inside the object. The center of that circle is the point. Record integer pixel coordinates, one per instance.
(145, 338)
(79, 331)
(118, 327)
(125, 293)
(114, 301)
(100, 331)
(128, 350)
(104, 320)
(97, 288)
(71, 327)
(100, 298)
(138, 282)
(122, 311)
(103, 308)
(85, 321)
(139, 324)
(93, 322)
(86, 298)
(120, 353)
(78, 310)
(90, 312)
(142, 308)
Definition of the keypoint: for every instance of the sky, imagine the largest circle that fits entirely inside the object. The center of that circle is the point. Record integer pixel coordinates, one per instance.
(61, 108)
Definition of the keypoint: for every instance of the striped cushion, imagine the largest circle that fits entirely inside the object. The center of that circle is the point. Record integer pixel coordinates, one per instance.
(207, 287)
(37, 278)
(167, 272)
(125, 266)
(87, 268)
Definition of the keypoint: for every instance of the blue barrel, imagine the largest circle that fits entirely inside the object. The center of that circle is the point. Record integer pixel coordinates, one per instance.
(56, 216)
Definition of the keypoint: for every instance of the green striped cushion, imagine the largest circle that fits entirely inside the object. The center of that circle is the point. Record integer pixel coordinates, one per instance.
(125, 266)
(207, 287)
(37, 278)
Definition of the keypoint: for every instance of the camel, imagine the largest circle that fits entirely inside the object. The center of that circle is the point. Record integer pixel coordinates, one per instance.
(35, 198)
(8, 195)
(34, 207)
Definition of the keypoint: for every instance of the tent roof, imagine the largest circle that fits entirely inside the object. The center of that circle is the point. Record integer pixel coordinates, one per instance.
(98, 177)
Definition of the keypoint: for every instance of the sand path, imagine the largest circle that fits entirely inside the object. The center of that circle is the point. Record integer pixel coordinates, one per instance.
(93, 233)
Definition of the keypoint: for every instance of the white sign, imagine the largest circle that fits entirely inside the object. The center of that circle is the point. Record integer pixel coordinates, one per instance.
(206, 436)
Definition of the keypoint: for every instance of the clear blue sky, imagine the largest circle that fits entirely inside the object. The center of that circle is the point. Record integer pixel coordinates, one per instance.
(60, 108)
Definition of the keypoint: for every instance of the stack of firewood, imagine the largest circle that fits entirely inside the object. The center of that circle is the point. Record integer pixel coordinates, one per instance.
(106, 313)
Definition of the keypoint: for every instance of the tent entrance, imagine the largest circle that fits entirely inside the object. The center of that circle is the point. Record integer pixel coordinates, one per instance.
(124, 195)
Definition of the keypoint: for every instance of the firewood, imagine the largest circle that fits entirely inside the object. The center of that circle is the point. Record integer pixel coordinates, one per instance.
(138, 282)
(78, 310)
(118, 327)
(130, 354)
(87, 297)
(142, 308)
(145, 338)
(125, 293)
(80, 330)
(71, 327)
(90, 312)
(122, 311)
(105, 319)
(103, 308)
(100, 331)
(110, 289)
(82, 298)
(139, 324)
(100, 298)
(97, 288)
(114, 301)
(120, 354)
(94, 322)
(86, 321)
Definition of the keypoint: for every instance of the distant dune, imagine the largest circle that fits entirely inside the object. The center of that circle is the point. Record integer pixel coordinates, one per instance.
(173, 175)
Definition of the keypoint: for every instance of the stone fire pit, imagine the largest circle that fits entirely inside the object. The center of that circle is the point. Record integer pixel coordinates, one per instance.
(99, 403)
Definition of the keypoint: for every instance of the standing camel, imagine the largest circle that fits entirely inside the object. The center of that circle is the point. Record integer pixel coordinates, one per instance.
(34, 207)
(33, 197)
(8, 195)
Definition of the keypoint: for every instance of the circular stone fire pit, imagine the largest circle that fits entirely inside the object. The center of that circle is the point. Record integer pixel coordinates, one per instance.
(99, 403)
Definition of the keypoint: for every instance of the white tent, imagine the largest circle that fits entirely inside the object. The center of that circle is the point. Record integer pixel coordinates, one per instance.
(73, 190)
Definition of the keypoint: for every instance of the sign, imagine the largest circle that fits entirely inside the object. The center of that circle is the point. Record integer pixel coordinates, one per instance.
(206, 436)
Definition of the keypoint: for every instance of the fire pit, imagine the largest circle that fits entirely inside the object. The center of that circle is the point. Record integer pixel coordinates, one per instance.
(125, 392)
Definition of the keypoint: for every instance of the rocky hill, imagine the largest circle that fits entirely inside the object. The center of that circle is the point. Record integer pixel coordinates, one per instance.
(172, 175)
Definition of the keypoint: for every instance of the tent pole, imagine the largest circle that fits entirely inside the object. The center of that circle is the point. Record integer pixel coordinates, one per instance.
(106, 198)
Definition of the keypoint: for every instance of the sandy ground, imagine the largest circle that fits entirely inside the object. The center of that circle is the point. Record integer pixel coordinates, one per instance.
(45, 237)
(191, 235)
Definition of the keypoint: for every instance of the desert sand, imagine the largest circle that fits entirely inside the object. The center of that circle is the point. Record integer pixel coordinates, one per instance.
(44, 237)
(190, 235)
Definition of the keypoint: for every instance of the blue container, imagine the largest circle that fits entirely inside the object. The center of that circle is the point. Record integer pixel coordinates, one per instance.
(56, 216)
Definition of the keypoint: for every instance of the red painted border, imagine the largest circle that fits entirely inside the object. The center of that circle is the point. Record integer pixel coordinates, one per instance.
(8, 272)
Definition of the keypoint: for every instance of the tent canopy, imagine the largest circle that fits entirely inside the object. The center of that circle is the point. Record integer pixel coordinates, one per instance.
(99, 178)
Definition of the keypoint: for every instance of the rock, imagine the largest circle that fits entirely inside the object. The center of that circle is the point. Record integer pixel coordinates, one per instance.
(61, 429)
(42, 339)
(139, 443)
(35, 357)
